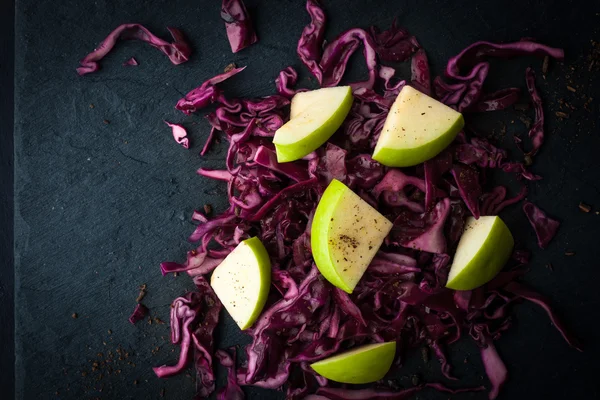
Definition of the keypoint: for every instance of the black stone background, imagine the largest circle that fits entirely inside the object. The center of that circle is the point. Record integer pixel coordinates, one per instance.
(98, 206)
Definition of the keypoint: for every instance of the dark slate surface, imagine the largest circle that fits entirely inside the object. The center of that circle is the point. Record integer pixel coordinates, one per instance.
(100, 205)
(6, 198)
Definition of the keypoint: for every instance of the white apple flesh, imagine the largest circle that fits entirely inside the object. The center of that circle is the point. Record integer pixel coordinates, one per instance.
(302, 101)
(416, 129)
(346, 234)
(242, 281)
(321, 114)
(483, 250)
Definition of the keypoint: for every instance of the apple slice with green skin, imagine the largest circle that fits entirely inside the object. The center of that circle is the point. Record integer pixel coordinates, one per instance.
(346, 234)
(315, 124)
(363, 364)
(242, 281)
(483, 250)
(416, 129)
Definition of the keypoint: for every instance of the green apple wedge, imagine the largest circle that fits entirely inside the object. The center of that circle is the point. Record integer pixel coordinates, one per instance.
(416, 129)
(310, 128)
(242, 281)
(364, 364)
(483, 250)
(346, 234)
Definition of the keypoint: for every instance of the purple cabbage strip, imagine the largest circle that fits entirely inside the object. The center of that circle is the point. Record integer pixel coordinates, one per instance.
(473, 55)
(494, 368)
(467, 181)
(139, 313)
(231, 391)
(536, 132)
(179, 134)
(495, 200)
(498, 100)
(205, 94)
(132, 62)
(545, 227)
(193, 320)
(178, 51)
(468, 70)
(197, 261)
(394, 44)
(420, 75)
(240, 31)
(337, 53)
(522, 291)
(310, 45)
(430, 228)
(284, 82)
(485, 155)
(268, 158)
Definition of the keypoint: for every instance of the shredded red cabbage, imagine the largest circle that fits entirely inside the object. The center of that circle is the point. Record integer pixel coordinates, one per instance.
(179, 134)
(310, 45)
(402, 295)
(238, 25)
(139, 313)
(178, 51)
(468, 71)
(494, 368)
(205, 94)
(194, 317)
(231, 391)
(545, 227)
(132, 62)
(536, 132)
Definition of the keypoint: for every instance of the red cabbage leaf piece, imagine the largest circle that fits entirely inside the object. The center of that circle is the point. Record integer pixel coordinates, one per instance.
(304, 380)
(468, 71)
(268, 158)
(536, 132)
(179, 134)
(495, 200)
(231, 391)
(545, 227)
(197, 261)
(433, 171)
(132, 62)
(178, 51)
(392, 187)
(284, 82)
(193, 320)
(494, 368)
(204, 94)
(394, 44)
(423, 232)
(139, 313)
(310, 45)
(337, 53)
(329, 65)
(498, 100)
(523, 292)
(467, 181)
(420, 75)
(485, 155)
(474, 54)
(238, 25)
